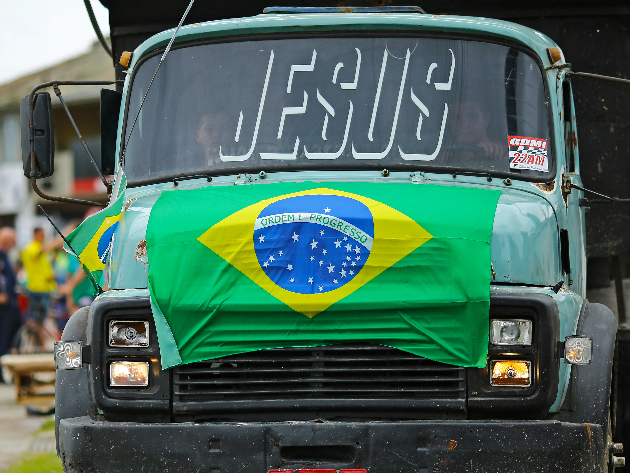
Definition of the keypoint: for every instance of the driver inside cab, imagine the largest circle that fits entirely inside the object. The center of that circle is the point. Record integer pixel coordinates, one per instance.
(472, 131)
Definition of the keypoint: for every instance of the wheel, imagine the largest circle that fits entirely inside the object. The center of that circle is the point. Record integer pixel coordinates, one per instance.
(610, 467)
(26, 341)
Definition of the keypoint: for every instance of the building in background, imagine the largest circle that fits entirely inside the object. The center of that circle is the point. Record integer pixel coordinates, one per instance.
(74, 174)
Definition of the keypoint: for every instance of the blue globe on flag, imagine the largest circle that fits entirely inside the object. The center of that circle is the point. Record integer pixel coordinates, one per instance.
(312, 244)
(105, 242)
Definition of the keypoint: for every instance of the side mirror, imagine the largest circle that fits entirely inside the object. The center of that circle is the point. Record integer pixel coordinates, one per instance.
(110, 109)
(43, 135)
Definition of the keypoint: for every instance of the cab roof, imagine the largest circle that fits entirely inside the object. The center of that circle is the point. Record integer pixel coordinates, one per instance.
(302, 23)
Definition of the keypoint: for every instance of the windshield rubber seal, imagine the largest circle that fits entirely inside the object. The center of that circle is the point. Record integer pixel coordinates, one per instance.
(359, 166)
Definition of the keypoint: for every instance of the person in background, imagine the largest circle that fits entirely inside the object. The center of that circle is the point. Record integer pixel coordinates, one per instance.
(9, 313)
(74, 286)
(77, 289)
(40, 278)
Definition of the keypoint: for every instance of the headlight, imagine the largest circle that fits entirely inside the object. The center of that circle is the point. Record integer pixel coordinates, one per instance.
(128, 333)
(510, 373)
(129, 374)
(511, 332)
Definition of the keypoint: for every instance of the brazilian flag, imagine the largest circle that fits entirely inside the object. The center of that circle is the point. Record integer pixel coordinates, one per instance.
(242, 268)
(92, 240)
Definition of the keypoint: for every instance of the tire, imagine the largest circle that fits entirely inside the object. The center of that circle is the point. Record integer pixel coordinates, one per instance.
(610, 468)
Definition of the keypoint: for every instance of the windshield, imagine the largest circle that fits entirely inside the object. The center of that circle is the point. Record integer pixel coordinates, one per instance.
(339, 103)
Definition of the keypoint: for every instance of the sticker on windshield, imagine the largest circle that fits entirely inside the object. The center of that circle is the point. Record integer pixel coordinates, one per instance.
(528, 153)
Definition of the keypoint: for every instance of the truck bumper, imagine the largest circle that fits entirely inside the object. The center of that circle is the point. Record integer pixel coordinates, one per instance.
(378, 447)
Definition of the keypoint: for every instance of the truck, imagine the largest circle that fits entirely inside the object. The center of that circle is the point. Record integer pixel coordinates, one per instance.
(339, 239)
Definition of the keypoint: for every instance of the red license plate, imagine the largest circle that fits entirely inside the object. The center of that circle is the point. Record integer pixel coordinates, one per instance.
(320, 470)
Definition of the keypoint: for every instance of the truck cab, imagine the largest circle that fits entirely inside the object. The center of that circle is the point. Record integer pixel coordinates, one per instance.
(476, 354)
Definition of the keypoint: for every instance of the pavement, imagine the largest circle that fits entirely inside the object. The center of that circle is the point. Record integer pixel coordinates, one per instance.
(18, 430)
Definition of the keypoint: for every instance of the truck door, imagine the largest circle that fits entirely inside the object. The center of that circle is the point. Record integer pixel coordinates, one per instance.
(573, 237)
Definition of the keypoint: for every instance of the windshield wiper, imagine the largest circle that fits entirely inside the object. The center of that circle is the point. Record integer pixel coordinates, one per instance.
(485, 174)
(186, 177)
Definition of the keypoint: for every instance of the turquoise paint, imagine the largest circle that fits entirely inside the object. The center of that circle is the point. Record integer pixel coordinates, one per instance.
(525, 244)
(168, 347)
(524, 247)
(330, 22)
(319, 22)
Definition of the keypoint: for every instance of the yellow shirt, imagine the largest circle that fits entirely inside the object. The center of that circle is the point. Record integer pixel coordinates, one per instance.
(39, 272)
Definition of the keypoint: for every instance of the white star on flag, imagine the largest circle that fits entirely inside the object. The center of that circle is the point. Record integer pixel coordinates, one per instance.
(345, 238)
(357, 250)
(321, 232)
(351, 272)
(326, 210)
(348, 247)
(295, 237)
(266, 263)
(344, 264)
(321, 288)
(343, 273)
(310, 280)
(348, 258)
(261, 238)
(337, 243)
(280, 253)
(313, 244)
(331, 268)
(321, 262)
(312, 258)
(292, 279)
(335, 281)
(324, 251)
(353, 264)
(271, 258)
(290, 267)
(358, 258)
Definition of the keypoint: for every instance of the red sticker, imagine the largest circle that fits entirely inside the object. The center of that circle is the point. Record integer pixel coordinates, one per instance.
(528, 153)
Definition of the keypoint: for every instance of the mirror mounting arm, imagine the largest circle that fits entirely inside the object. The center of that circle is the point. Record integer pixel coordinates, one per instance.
(605, 200)
(76, 129)
(68, 200)
(34, 171)
(599, 76)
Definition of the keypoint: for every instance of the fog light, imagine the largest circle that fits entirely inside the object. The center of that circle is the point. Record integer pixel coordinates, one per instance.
(578, 350)
(510, 373)
(128, 334)
(511, 332)
(129, 373)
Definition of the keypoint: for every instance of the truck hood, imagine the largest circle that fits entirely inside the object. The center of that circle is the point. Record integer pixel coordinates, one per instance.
(524, 246)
